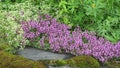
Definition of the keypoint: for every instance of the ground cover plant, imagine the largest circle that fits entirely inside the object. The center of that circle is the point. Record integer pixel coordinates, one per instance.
(89, 27)
(62, 39)
(86, 14)
(10, 16)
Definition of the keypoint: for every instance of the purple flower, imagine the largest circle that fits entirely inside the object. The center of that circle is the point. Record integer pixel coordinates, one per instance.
(61, 39)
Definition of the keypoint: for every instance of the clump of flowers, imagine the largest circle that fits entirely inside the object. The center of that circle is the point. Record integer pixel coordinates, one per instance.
(76, 42)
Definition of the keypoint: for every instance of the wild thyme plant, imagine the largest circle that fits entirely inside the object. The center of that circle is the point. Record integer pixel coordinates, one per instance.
(61, 39)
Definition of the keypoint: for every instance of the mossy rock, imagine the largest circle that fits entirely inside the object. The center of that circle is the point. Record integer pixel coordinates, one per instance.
(114, 64)
(56, 62)
(8, 60)
(75, 62)
(83, 62)
(60, 62)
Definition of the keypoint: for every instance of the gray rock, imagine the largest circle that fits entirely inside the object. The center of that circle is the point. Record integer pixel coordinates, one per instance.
(37, 54)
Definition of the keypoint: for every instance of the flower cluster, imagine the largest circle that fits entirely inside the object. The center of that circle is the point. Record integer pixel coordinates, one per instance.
(76, 42)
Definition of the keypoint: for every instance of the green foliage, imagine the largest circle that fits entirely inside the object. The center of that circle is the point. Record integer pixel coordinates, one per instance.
(10, 31)
(10, 16)
(7, 48)
(101, 16)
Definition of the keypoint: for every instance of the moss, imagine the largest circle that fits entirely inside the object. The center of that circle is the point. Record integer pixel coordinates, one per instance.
(12, 61)
(5, 59)
(83, 62)
(26, 64)
(61, 62)
(75, 62)
(54, 62)
(45, 61)
(114, 64)
(3, 46)
(57, 62)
